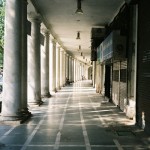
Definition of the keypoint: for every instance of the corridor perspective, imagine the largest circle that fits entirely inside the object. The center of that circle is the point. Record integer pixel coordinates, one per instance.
(75, 75)
(74, 118)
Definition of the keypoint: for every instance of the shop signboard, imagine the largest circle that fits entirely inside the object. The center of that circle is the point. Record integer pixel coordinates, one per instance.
(108, 47)
(99, 53)
(114, 47)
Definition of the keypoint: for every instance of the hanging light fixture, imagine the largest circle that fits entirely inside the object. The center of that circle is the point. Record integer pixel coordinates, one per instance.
(79, 9)
(78, 35)
(79, 47)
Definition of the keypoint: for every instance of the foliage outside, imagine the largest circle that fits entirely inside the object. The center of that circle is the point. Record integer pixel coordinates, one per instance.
(2, 18)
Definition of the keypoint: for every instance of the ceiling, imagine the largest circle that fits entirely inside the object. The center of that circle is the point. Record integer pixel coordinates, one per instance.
(59, 16)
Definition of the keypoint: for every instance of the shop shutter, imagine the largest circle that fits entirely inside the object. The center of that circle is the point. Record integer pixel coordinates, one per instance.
(115, 83)
(143, 66)
(123, 84)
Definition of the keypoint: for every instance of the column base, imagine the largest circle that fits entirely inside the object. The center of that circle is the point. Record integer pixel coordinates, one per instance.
(37, 103)
(16, 120)
(47, 95)
(59, 88)
(10, 118)
(25, 112)
(54, 90)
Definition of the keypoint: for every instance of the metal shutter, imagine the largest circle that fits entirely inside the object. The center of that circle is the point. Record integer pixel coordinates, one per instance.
(143, 66)
(115, 83)
(123, 84)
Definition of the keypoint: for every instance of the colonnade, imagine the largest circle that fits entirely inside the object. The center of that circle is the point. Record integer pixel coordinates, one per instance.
(32, 69)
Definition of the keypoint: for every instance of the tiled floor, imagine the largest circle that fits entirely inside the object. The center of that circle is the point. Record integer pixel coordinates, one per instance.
(75, 118)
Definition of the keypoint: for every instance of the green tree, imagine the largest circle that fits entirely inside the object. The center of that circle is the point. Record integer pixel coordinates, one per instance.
(2, 19)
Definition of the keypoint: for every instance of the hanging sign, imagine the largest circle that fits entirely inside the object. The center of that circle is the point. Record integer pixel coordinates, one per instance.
(100, 53)
(114, 46)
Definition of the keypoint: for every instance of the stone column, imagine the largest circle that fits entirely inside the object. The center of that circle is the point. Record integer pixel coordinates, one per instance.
(75, 74)
(34, 69)
(70, 68)
(82, 69)
(64, 68)
(61, 67)
(77, 70)
(24, 107)
(93, 73)
(58, 68)
(72, 77)
(67, 66)
(53, 69)
(50, 63)
(86, 72)
(45, 92)
(12, 77)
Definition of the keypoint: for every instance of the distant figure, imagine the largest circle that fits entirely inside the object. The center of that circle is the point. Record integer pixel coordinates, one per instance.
(67, 81)
(82, 77)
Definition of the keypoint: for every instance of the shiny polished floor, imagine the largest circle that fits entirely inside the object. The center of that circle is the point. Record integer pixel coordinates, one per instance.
(75, 118)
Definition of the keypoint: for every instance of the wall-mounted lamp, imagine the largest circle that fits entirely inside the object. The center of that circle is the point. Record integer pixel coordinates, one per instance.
(79, 9)
(81, 54)
(78, 35)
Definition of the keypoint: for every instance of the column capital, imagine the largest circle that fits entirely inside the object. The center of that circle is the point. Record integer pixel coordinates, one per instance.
(51, 37)
(54, 41)
(34, 17)
(60, 48)
(57, 45)
(45, 31)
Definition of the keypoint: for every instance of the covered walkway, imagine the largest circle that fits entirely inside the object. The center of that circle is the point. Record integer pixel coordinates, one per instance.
(75, 118)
